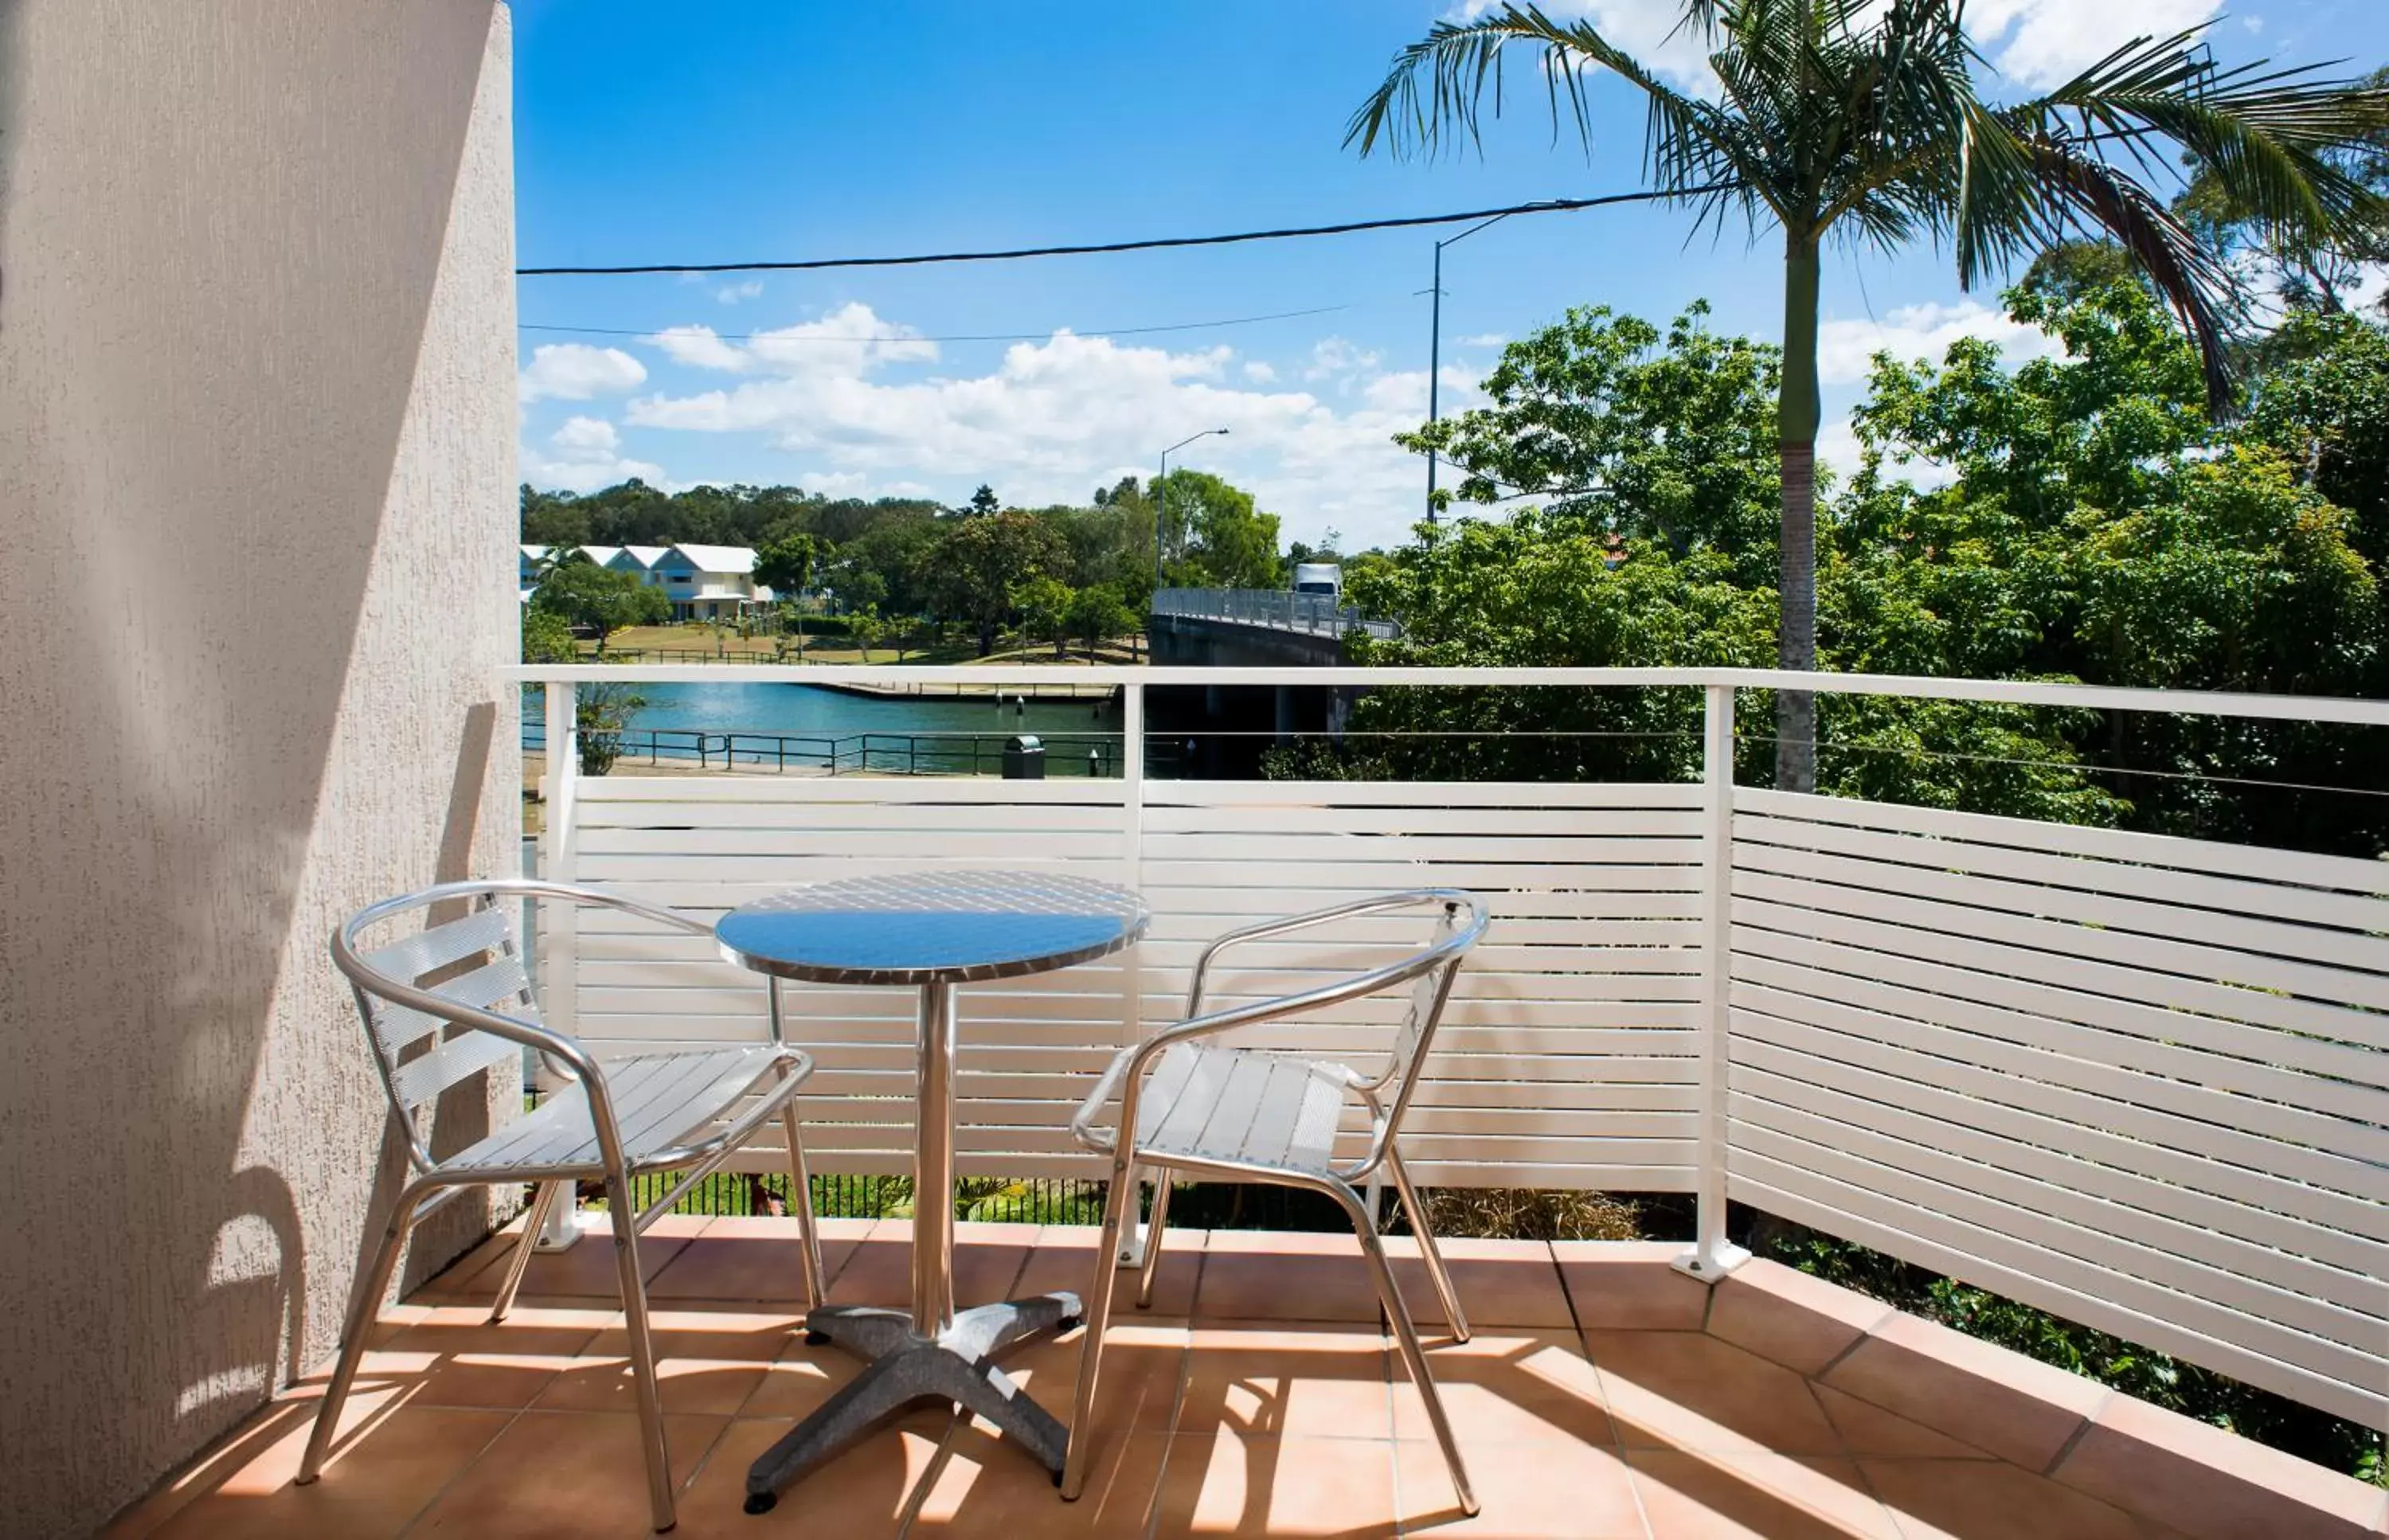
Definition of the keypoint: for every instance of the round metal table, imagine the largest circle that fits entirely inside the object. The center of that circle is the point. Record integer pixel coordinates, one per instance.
(930, 930)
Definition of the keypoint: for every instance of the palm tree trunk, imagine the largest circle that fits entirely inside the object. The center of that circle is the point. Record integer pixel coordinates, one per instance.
(1798, 415)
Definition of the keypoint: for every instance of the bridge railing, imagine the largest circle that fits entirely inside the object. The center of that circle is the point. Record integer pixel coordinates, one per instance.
(1279, 609)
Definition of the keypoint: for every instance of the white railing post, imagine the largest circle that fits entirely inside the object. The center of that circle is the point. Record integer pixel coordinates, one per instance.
(559, 984)
(1712, 1255)
(1132, 1234)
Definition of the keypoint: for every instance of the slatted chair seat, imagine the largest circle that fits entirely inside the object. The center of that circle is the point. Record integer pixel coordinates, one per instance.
(663, 1102)
(1231, 1105)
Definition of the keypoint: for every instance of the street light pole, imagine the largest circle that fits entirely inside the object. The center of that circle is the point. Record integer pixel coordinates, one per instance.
(1435, 351)
(1161, 490)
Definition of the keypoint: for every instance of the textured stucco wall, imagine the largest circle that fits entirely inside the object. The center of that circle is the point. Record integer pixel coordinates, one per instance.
(257, 402)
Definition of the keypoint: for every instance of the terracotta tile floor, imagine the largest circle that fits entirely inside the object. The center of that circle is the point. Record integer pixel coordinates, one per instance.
(1603, 1396)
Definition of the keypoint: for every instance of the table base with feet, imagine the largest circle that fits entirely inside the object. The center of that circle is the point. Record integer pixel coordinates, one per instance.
(956, 1366)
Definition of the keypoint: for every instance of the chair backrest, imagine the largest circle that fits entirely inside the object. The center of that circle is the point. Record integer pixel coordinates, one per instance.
(1459, 921)
(454, 999)
(471, 958)
(1428, 972)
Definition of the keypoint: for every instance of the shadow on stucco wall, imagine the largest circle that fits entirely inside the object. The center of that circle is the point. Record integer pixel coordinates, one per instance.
(221, 232)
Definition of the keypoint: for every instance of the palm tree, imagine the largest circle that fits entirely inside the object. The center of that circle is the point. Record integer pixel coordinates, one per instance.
(1859, 119)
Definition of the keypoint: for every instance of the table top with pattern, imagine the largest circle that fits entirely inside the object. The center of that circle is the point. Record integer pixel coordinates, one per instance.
(932, 927)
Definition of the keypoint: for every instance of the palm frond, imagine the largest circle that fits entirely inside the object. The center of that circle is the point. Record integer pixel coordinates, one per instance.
(1436, 92)
(2084, 193)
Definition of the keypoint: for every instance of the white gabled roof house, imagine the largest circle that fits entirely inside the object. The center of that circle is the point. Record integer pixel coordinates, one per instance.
(707, 582)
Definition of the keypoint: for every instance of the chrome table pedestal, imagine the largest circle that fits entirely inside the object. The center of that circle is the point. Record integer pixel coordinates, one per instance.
(931, 931)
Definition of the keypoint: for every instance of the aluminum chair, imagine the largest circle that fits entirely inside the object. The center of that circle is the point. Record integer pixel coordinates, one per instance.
(686, 1112)
(1229, 1114)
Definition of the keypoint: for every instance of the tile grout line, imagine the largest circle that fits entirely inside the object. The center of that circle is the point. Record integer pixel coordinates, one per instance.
(445, 1488)
(1176, 1409)
(2065, 1450)
(1617, 1440)
(1835, 1362)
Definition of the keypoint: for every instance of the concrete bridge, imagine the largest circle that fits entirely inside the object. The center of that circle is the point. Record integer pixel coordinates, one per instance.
(1222, 733)
(1264, 627)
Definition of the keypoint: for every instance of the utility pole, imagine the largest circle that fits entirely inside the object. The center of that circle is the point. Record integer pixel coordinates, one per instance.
(1435, 350)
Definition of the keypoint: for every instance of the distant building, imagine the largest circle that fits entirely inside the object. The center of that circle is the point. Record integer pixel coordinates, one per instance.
(639, 561)
(704, 583)
(709, 582)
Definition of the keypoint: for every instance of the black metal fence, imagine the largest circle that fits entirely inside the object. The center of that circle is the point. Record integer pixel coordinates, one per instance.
(1036, 1201)
(1094, 755)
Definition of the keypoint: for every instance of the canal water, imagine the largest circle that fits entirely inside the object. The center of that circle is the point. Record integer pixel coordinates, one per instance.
(803, 726)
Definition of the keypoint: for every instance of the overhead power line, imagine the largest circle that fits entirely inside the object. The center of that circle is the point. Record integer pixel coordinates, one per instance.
(1545, 206)
(784, 336)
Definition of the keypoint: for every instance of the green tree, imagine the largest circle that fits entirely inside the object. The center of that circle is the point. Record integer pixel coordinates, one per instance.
(601, 712)
(982, 502)
(785, 566)
(1668, 437)
(854, 587)
(866, 627)
(2100, 529)
(1044, 605)
(2326, 409)
(1860, 120)
(1097, 615)
(1213, 535)
(547, 637)
(556, 557)
(979, 562)
(603, 601)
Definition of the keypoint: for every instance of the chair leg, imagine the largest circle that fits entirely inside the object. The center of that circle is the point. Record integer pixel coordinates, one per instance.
(364, 1302)
(1406, 1336)
(1436, 1273)
(1098, 1306)
(1151, 1269)
(520, 1262)
(800, 1194)
(642, 1349)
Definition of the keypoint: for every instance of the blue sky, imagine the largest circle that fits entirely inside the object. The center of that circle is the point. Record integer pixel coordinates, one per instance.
(733, 130)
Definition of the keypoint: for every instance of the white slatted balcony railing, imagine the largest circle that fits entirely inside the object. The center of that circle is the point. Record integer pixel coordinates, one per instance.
(2139, 1081)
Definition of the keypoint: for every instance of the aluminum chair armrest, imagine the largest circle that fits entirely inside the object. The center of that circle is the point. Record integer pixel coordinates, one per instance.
(1082, 1122)
(534, 887)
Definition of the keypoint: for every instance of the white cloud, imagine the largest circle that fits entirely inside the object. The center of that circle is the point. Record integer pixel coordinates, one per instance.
(1052, 419)
(1259, 373)
(857, 484)
(1483, 339)
(2044, 43)
(1335, 356)
(1845, 348)
(576, 371)
(586, 454)
(592, 434)
(850, 340)
(730, 294)
(699, 348)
